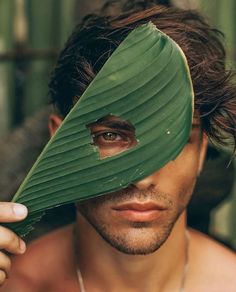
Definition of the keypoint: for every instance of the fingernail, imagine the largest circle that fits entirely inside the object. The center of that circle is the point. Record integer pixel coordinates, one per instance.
(22, 246)
(19, 210)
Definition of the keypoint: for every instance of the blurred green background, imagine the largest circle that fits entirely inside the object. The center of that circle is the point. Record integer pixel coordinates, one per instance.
(32, 32)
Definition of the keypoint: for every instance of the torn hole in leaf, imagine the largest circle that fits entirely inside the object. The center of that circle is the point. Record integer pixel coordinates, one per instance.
(112, 135)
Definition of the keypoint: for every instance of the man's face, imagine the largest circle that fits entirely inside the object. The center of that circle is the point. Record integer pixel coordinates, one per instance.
(138, 219)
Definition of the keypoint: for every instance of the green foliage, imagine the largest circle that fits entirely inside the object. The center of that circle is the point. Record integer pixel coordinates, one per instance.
(147, 82)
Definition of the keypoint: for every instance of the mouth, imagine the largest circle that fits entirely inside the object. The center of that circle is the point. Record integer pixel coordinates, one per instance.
(139, 211)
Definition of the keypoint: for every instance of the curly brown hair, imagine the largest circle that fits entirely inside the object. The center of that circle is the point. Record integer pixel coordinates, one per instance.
(93, 41)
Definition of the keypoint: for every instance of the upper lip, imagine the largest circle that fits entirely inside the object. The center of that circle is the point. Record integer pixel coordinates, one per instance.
(138, 206)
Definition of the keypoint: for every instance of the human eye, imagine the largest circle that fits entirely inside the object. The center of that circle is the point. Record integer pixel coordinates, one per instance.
(112, 136)
(109, 138)
(112, 141)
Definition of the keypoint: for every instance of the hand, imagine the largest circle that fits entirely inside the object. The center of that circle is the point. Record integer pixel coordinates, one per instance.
(9, 241)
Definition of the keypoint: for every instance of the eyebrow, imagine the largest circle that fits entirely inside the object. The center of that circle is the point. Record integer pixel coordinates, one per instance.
(114, 124)
(120, 124)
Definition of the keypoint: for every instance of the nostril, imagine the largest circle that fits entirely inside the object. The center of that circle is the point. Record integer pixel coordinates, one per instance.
(146, 183)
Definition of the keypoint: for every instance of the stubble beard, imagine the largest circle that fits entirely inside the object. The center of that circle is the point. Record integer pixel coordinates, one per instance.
(142, 238)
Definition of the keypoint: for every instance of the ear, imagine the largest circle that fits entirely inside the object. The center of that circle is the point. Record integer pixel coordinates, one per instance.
(203, 151)
(53, 123)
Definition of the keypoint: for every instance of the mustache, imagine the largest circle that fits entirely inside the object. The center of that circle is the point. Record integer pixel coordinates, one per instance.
(132, 193)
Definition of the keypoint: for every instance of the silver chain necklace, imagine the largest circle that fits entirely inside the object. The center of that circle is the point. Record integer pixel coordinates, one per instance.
(184, 273)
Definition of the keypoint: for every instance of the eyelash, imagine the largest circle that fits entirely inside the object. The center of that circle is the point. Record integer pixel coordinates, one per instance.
(122, 137)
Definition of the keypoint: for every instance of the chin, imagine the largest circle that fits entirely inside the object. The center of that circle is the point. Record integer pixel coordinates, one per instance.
(138, 239)
(126, 236)
(135, 249)
(142, 243)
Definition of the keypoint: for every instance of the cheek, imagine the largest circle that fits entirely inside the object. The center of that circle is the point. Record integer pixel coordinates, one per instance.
(92, 209)
(178, 177)
(111, 151)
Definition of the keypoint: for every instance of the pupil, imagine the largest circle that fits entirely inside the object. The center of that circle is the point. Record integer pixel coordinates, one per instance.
(110, 136)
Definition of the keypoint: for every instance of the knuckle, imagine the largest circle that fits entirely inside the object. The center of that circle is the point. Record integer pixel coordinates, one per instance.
(4, 234)
(11, 239)
(14, 241)
(8, 239)
(5, 262)
(5, 208)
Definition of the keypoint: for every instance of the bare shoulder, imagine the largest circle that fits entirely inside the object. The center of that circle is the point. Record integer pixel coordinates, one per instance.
(213, 251)
(212, 263)
(42, 262)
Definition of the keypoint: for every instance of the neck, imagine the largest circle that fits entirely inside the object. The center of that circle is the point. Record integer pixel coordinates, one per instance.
(104, 267)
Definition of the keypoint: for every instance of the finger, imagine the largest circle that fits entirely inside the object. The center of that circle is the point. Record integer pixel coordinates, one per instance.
(2, 277)
(11, 212)
(5, 263)
(10, 242)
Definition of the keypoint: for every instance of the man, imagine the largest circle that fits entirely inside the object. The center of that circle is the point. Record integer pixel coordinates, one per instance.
(134, 239)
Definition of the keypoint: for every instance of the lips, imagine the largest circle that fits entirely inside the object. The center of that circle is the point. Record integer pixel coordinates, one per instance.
(136, 206)
(139, 211)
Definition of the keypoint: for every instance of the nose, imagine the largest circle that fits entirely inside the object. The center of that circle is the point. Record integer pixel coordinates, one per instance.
(146, 183)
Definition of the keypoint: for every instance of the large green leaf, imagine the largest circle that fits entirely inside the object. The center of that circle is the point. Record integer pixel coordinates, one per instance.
(147, 82)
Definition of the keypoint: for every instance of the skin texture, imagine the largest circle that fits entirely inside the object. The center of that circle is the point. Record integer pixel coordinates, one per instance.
(164, 188)
(50, 262)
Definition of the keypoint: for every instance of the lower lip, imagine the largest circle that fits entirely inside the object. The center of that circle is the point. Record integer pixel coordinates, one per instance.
(139, 216)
